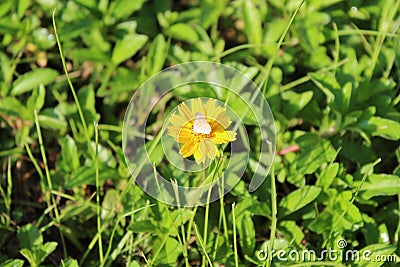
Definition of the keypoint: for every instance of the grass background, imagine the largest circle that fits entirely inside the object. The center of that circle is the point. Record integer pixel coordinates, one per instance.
(329, 70)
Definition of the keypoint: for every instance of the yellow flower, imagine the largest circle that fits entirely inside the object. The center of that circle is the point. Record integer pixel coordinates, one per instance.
(200, 128)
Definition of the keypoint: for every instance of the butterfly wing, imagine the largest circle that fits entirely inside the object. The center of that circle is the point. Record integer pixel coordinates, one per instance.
(200, 124)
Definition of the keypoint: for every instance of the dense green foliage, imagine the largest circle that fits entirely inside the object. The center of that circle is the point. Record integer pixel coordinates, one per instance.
(333, 86)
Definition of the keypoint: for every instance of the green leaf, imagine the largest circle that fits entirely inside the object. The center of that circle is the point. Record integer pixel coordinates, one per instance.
(29, 256)
(10, 106)
(298, 199)
(109, 202)
(183, 32)
(86, 175)
(373, 252)
(87, 3)
(380, 185)
(86, 98)
(69, 154)
(134, 264)
(33, 79)
(36, 100)
(23, 5)
(105, 155)
(174, 221)
(291, 231)
(122, 9)
(95, 38)
(50, 119)
(210, 11)
(240, 107)
(157, 55)
(338, 97)
(327, 176)
(89, 54)
(69, 263)
(29, 237)
(170, 251)
(252, 23)
(295, 102)
(12, 263)
(314, 152)
(357, 152)
(142, 226)
(339, 214)
(5, 7)
(377, 126)
(127, 47)
(246, 231)
(42, 252)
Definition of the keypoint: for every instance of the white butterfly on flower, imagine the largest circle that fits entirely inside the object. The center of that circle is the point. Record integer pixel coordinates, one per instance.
(200, 124)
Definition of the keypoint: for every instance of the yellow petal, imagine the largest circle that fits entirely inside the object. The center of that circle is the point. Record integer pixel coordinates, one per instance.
(225, 121)
(206, 149)
(185, 112)
(185, 135)
(201, 154)
(224, 137)
(177, 120)
(217, 152)
(232, 135)
(197, 106)
(216, 127)
(188, 149)
(197, 155)
(211, 110)
(174, 131)
(211, 149)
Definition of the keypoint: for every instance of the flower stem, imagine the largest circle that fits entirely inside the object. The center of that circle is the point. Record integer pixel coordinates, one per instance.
(274, 219)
